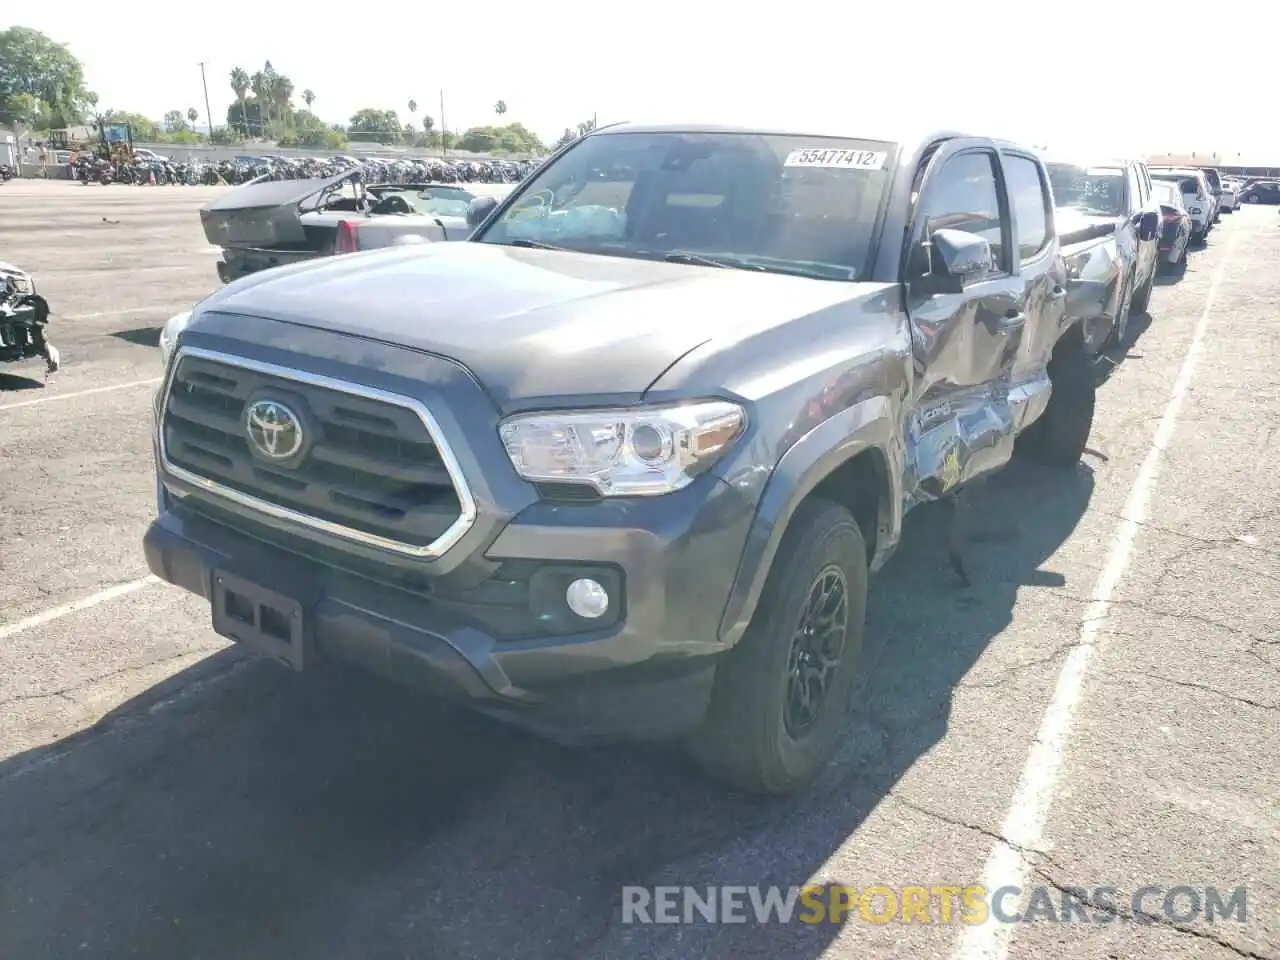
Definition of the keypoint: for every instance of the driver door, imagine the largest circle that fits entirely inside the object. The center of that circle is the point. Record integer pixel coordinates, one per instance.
(964, 343)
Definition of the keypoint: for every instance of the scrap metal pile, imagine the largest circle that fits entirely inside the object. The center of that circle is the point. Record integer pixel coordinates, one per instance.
(23, 316)
(145, 169)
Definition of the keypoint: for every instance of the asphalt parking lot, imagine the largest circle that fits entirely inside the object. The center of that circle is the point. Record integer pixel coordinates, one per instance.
(1101, 708)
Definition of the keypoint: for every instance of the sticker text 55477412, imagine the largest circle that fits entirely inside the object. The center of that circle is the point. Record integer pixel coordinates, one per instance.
(843, 159)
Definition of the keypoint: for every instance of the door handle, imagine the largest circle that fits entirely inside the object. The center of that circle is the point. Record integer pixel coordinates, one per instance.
(1013, 320)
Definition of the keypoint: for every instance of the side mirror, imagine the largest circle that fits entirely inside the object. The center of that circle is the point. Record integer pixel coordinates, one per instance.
(479, 209)
(958, 258)
(1149, 225)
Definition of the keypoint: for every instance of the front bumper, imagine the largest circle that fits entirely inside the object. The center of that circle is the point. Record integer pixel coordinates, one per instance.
(669, 565)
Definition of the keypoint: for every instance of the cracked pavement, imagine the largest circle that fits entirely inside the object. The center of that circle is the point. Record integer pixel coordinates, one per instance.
(162, 795)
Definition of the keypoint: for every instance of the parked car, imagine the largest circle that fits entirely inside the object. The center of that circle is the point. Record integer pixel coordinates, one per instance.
(1215, 187)
(1261, 191)
(620, 463)
(1196, 196)
(268, 223)
(1175, 233)
(1109, 225)
(1211, 200)
(1230, 200)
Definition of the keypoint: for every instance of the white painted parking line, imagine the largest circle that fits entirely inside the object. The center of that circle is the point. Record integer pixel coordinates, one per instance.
(1008, 864)
(56, 613)
(81, 393)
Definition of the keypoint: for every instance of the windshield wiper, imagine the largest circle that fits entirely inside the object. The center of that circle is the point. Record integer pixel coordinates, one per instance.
(812, 269)
(698, 260)
(530, 244)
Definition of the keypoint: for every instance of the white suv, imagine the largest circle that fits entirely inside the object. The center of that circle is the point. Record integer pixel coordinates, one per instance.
(1197, 197)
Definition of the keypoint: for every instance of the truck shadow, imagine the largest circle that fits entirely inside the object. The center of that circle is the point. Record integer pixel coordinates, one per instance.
(1170, 274)
(1106, 362)
(240, 811)
(140, 336)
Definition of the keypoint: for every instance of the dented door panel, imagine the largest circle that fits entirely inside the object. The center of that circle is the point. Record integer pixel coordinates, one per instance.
(965, 345)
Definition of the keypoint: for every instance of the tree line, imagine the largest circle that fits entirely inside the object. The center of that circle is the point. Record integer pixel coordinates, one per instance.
(43, 87)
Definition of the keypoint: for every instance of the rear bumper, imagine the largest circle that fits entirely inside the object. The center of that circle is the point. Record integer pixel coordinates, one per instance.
(1169, 237)
(236, 262)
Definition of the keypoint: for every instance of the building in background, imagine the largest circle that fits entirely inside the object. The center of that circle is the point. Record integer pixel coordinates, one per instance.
(1227, 161)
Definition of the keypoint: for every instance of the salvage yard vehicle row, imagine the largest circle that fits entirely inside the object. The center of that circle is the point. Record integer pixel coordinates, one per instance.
(880, 817)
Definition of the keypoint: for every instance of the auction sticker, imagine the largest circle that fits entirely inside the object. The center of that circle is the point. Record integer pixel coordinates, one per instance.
(843, 159)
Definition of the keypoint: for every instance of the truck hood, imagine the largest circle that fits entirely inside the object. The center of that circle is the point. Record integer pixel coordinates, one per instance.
(531, 325)
(1076, 226)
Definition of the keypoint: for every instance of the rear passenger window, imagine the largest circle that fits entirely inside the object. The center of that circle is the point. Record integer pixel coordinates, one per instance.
(963, 196)
(1029, 201)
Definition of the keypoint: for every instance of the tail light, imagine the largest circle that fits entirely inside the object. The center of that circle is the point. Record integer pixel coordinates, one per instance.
(348, 240)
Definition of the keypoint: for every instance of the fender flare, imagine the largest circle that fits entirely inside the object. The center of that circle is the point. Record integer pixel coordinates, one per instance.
(868, 425)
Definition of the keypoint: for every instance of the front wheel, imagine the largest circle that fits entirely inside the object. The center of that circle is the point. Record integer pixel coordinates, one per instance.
(781, 696)
(1060, 436)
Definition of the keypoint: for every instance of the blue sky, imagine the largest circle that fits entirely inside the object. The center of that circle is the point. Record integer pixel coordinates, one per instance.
(1105, 75)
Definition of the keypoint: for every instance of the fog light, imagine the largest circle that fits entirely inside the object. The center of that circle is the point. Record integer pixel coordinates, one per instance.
(587, 598)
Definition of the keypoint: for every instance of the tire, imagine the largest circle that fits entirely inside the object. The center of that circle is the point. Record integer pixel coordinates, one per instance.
(1061, 434)
(1142, 297)
(752, 737)
(1120, 328)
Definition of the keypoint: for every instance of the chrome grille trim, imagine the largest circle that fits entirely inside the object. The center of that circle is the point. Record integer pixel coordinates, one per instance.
(438, 547)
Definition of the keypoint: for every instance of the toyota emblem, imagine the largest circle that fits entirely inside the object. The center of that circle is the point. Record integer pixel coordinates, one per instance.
(274, 430)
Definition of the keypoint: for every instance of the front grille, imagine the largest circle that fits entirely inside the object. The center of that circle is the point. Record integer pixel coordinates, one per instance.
(371, 469)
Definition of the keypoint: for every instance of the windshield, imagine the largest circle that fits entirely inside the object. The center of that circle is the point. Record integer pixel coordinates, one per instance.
(782, 204)
(435, 201)
(1093, 189)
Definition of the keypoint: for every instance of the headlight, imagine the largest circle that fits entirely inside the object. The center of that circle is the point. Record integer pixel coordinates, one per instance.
(623, 453)
(169, 334)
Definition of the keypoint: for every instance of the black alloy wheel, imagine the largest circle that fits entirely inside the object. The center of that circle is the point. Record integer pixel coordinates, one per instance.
(817, 646)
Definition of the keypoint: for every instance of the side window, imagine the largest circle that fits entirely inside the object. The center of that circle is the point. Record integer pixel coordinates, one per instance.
(1136, 199)
(1029, 201)
(963, 195)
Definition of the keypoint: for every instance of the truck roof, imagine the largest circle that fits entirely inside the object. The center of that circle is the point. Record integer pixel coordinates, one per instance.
(904, 137)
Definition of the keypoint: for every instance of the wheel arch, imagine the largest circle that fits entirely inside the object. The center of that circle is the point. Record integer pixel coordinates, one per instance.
(853, 458)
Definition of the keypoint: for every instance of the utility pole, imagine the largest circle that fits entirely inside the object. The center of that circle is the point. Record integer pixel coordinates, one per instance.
(444, 127)
(208, 114)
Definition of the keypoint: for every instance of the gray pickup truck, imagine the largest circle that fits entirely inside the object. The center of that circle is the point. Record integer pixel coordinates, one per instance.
(619, 465)
(1109, 226)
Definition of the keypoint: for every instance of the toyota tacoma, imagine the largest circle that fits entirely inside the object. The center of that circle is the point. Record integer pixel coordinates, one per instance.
(619, 464)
